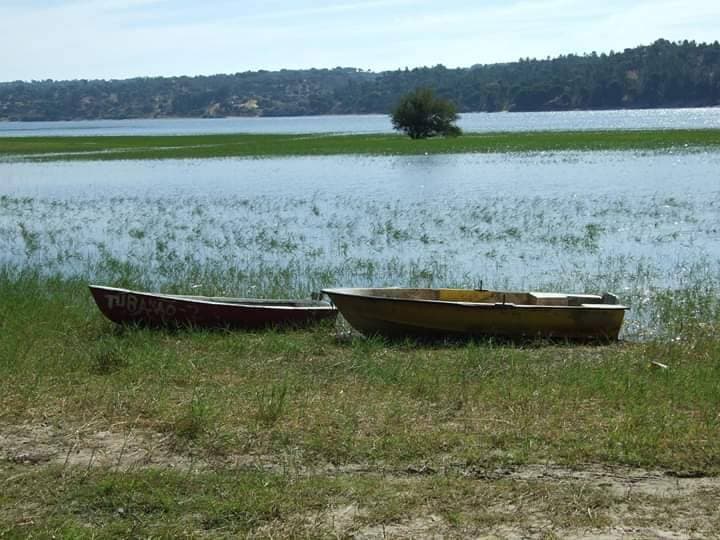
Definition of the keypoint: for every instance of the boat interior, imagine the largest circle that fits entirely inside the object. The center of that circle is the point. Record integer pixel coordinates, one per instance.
(254, 301)
(493, 297)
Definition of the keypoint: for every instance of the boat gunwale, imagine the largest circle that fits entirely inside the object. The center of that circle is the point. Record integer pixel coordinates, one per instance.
(319, 305)
(508, 305)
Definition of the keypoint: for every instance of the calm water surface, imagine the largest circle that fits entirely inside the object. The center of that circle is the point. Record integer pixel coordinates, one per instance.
(422, 179)
(698, 118)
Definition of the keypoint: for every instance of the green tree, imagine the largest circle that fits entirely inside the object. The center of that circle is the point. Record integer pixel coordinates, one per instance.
(421, 114)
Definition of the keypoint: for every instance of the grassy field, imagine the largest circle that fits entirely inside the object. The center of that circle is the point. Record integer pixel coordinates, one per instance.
(214, 146)
(317, 433)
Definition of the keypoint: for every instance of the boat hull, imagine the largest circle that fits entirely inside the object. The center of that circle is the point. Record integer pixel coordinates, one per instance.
(124, 306)
(396, 313)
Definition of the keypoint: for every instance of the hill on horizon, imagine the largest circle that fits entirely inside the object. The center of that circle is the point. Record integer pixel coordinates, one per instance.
(663, 74)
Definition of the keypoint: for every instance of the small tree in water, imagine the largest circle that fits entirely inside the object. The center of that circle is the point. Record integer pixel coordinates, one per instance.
(421, 114)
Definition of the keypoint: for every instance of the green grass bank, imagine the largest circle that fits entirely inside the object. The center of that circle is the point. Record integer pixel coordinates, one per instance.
(217, 146)
(131, 432)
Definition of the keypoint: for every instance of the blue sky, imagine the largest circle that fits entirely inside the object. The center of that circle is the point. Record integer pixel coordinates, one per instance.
(70, 39)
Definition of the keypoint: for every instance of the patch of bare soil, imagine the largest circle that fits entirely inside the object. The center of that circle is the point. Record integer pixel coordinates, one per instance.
(611, 533)
(619, 481)
(429, 526)
(121, 447)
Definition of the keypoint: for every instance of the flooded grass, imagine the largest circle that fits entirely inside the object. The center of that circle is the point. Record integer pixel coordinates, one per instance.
(213, 146)
(644, 250)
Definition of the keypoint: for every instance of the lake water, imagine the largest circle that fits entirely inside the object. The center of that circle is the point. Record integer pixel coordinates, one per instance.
(633, 176)
(698, 118)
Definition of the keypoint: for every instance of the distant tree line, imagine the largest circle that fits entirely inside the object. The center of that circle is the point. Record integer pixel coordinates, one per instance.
(664, 74)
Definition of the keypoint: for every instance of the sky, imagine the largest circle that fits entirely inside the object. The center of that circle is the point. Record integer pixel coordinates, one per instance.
(116, 39)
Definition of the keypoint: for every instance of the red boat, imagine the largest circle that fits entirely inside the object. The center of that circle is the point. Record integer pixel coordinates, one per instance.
(150, 309)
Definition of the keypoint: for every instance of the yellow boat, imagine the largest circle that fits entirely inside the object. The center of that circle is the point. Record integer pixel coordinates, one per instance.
(433, 313)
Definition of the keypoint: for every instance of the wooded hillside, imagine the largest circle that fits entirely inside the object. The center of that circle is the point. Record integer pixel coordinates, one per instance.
(664, 74)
